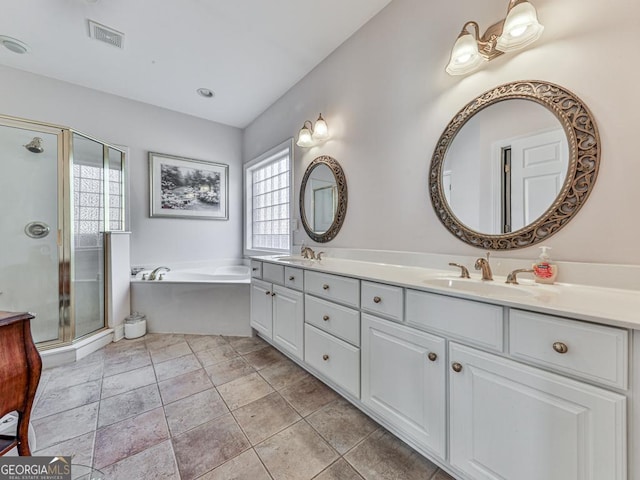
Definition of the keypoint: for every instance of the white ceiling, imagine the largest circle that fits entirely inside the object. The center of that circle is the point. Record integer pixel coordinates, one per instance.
(249, 52)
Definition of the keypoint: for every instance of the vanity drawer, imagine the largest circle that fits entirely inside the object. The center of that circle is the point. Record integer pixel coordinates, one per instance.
(335, 319)
(334, 359)
(333, 287)
(273, 273)
(256, 269)
(385, 300)
(594, 352)
(293, 278)
(473, 322)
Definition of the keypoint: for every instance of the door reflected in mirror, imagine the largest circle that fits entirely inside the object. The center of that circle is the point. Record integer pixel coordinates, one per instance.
(323, 199)
(505, 167)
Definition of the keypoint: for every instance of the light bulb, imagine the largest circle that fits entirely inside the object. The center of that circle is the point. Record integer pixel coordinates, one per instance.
(304, 138)
(465, 57)
(521, 28)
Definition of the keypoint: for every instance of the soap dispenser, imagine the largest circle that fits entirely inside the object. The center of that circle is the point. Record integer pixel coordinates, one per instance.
(543, 270)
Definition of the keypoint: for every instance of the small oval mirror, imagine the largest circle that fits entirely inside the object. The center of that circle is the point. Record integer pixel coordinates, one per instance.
(323, 199)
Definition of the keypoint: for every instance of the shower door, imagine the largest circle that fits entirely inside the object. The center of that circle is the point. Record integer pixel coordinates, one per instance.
(31, 226)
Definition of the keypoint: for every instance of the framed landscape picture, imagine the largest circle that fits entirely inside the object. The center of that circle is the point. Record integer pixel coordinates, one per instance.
(187, 188)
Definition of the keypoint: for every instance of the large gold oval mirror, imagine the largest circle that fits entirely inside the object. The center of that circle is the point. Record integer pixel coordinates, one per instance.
(514, 165)
(323, 199)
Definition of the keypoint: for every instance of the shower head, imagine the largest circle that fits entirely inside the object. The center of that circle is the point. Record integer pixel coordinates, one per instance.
(35, 145)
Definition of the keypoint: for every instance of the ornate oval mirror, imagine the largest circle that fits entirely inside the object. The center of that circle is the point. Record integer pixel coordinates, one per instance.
(514, 165)
(323, 199)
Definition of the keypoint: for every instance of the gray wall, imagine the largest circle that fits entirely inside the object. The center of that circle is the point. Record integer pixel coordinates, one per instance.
(142, 128)
(386, 98)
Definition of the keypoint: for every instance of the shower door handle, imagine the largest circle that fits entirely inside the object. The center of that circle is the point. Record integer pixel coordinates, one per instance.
(37, 229)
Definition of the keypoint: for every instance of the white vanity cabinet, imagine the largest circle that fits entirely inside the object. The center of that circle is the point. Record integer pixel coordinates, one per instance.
(403, 380)
(513, 421)
(277, 312)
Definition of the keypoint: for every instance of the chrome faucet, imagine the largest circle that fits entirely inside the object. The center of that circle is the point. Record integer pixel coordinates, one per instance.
(483, 264)
(154, 273)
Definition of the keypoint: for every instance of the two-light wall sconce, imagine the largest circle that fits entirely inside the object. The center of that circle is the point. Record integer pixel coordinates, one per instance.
(519, 29)
(310, 135)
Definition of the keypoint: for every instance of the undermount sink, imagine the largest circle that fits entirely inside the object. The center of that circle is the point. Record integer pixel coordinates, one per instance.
(481, 287)
(298, 260)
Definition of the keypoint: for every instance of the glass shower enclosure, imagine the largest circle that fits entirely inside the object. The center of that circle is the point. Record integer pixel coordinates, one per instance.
(60, 192)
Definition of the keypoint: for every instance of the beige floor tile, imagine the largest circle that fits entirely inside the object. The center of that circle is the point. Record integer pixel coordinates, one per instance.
(199, 343)
(264, 357)
(340, 470)
(59, 400)
(442, 475)
(119, 407)
(224, 372)
(172, 351)
(194, 410)
(177, 366)
(80, 449)
(341, 424)
(384, 457)
(65, 425)
(244, 345)
(125, 363)
(283, 374)
(296, 453)
(74, 374)
(308, 395)
(265, 417)
(246, 466)
(133, 435)
(125, 382)
(244, 390)
(157, 463)
(215, 355)
(182, 386)
(158, 341)
(205, 447)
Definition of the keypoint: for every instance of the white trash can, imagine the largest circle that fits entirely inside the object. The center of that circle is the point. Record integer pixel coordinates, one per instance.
(135, 325)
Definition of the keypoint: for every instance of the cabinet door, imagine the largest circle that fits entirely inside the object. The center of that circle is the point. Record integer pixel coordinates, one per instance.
(403, 380)
(514, 422)
(288, 320)
(261, 313)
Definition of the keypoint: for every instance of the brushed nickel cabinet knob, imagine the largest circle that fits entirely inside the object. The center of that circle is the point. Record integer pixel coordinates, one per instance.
(273, 294)
(377, 299)
(267, 293)
(326, 318)
(325, 357)
(432, 356)
(325, 287)
(560, 347)
(292, 278)
(457, 367)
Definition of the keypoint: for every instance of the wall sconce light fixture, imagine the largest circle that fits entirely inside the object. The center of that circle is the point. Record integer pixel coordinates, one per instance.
(311, 135)
(519, 29)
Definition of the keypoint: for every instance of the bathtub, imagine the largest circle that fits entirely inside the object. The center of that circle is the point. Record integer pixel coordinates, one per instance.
(203, 300)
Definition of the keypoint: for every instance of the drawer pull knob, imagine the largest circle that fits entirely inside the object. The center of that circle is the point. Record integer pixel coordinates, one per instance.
(377, 299)
(457, 367)
(273, 294)
(325, 357)
(326, 318)
(325, 287)
(255, 269)
(292, 278)
(560, 347)
(432, 356)
(267, 293)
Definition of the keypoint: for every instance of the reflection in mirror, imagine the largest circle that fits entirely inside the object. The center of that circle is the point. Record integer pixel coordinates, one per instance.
(323, 199)
(505, 167)
(514, 165)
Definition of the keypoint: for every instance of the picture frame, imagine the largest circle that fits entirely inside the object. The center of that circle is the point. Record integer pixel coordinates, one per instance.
(182, 187)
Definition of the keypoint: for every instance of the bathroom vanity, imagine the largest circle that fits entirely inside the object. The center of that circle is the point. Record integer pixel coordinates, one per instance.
(487, 380)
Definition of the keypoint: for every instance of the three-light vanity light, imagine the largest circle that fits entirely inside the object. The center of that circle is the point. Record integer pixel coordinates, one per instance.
(310, 135)
(518, 29)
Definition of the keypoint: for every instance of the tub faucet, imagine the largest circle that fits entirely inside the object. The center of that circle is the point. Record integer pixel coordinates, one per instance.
(152, 275)
(483, 264)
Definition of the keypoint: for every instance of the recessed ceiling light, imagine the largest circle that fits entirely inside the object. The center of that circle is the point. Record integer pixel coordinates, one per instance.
(205, 92)
(13, 44)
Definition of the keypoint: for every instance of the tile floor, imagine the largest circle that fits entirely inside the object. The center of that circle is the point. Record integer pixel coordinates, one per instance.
(208, 407)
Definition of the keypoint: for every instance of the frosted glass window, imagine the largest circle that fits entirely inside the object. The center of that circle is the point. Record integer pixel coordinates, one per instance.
(267, 212)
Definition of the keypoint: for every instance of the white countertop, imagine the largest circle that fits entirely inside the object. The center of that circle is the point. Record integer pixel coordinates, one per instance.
(611, 306)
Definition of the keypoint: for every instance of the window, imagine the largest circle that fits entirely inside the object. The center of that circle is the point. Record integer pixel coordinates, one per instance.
(268, 180)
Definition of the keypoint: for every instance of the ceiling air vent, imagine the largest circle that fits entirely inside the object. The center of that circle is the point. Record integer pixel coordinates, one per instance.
(106, 34)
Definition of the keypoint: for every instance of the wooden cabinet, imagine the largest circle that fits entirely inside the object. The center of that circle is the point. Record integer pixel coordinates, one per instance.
(403, 380)
(515, 422)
